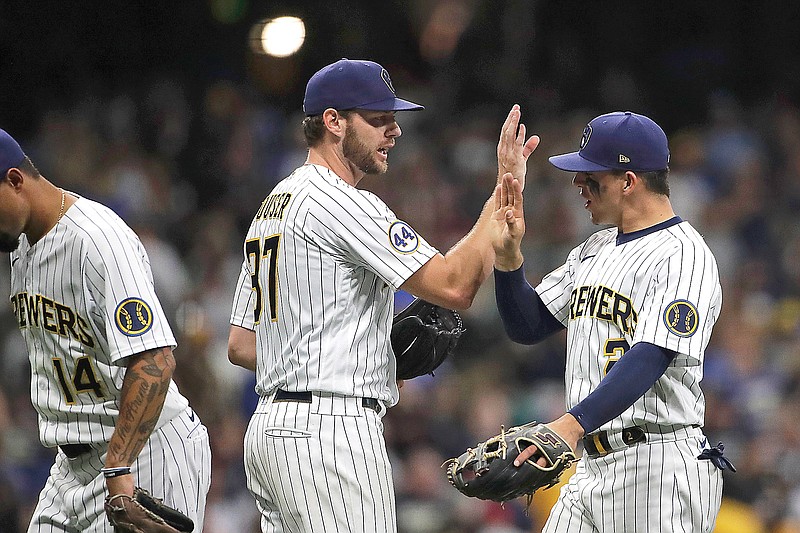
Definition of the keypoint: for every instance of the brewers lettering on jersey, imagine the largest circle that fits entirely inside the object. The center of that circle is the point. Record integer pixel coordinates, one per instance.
(101, 358)
(313, 307)
(638, 300)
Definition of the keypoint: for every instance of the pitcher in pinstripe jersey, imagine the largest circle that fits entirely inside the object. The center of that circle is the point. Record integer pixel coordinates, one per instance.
(101, 358)
(313, 308)
(638, 300)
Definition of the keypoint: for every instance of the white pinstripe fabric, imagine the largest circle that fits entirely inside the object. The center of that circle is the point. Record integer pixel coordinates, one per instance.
(652, 271)
(65, 293)
(175, 465)
(340, 259)
(320, 467)
(660, 485)
(336, 277)
(88, 263)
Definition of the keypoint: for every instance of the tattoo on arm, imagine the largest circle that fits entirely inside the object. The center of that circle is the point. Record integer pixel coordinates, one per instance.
(144, 389)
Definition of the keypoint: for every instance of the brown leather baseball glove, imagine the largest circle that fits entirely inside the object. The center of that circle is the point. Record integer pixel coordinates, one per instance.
(143, 513)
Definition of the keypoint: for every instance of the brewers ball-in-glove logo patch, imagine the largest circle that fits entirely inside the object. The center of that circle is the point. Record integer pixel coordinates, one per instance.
(403, 238)
(134, 317)
(681, 318)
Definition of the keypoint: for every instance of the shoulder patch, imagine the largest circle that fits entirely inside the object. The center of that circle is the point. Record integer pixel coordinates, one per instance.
(681, 318)
(403, 238)
(133, 317)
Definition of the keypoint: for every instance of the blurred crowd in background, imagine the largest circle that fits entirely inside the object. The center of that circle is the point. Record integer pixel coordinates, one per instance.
(186, 163)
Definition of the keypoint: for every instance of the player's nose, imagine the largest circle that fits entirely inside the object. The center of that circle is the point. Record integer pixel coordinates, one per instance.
(394, 130)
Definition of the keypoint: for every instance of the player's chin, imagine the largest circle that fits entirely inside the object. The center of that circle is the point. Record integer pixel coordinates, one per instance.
(376, 167)
(8, 243)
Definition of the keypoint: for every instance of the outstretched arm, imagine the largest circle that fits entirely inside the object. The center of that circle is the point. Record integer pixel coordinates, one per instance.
(453, 279)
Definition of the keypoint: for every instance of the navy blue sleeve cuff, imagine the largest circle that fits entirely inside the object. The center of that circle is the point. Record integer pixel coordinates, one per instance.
(525, 317)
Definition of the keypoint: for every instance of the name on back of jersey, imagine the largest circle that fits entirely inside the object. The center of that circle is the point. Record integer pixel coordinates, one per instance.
(274, 206)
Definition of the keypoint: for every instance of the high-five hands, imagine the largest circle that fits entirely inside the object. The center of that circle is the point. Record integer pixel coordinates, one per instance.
(509, 218)
(512, 148)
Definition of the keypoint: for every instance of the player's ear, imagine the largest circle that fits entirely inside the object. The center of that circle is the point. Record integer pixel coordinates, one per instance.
(14, 177)
(628, 181)
(333, 121)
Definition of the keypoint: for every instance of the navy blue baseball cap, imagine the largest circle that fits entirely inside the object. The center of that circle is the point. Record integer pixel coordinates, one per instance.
(353, 84)
(619, 140)
(11, 155)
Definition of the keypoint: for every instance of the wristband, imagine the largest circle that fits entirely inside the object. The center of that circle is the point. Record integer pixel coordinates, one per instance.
(115, 471)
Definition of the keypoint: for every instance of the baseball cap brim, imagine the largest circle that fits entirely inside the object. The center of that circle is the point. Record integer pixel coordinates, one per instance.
(391, 104)
(575, 162)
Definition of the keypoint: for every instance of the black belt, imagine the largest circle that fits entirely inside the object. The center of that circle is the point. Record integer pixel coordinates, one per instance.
(597, 444)
(305, 397)
(74, 450)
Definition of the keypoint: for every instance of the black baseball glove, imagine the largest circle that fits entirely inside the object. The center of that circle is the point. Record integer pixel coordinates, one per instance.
(423, 336)
(488, 472)
(143, 513)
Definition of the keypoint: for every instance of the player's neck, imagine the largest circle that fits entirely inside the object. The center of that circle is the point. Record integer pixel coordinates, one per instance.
(46, 210)
(327, 157)
(646, 213)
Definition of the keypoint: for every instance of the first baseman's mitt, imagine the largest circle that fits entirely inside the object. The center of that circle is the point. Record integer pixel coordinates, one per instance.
(423, 335)
(488, 472)
(144, 514)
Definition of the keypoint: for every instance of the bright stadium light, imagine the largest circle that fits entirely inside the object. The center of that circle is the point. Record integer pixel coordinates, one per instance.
(279, 37)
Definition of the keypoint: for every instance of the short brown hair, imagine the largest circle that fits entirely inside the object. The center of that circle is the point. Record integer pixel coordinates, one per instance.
(29, 168)
(654, 181)
(314, 127)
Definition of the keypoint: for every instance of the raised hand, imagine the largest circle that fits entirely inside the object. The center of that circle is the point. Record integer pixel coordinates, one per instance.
(509, 219)
(512, 148)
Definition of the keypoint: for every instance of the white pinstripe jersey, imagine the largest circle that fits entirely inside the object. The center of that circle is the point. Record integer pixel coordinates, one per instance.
(322, 262)
(659, 285)
(84, 300)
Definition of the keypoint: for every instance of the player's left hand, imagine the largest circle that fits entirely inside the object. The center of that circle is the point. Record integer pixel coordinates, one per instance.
(512, 149)
(566, 427)
(509, 219)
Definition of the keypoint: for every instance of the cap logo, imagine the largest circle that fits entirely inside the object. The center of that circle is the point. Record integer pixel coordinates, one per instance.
(624, 158)
(387, 80)
(587, 132)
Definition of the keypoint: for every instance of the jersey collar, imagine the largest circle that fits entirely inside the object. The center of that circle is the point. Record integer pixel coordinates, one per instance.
(622, 238)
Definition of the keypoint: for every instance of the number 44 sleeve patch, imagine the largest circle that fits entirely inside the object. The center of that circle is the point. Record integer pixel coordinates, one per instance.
(681, 318)
(403, 238)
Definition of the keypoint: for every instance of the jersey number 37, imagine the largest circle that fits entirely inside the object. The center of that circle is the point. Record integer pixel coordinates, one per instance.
(256, 253)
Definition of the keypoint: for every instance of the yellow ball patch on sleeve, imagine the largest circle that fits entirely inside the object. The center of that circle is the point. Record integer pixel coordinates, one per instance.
(681, 318)
(133, 317)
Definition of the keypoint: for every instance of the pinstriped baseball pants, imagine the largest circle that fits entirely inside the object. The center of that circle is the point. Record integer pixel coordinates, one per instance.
(319, 467)
(659, 486)
(174, 465)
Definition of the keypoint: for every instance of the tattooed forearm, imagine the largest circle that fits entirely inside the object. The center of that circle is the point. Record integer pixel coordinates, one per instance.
(147, 380)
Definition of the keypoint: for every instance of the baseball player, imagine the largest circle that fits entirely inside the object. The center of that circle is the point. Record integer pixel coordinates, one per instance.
(313, 308)
(101, 358)
(638, 300)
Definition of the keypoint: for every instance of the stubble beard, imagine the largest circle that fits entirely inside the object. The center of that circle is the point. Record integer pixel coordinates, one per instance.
(361, 155)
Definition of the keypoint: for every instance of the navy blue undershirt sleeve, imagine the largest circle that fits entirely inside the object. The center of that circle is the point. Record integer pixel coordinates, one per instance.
(525, 317)
(626, 382)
